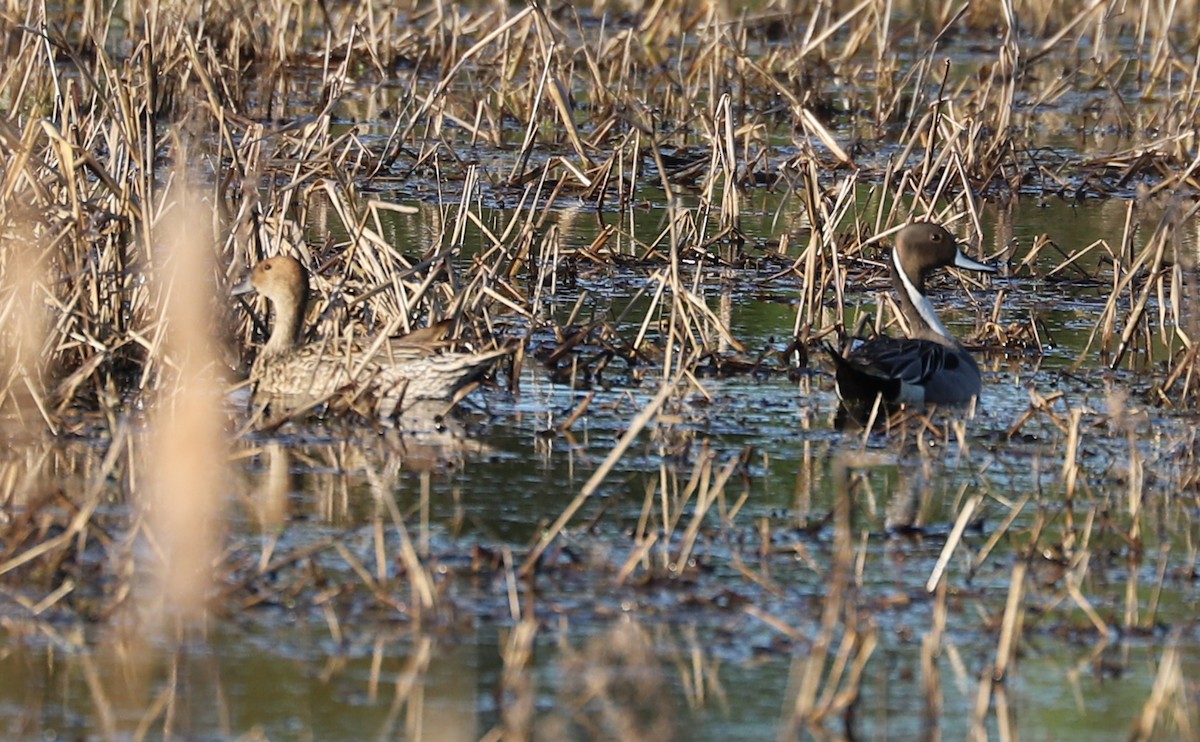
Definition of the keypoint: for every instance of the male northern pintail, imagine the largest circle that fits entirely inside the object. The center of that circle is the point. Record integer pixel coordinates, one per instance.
(929, 365)
(391, 373)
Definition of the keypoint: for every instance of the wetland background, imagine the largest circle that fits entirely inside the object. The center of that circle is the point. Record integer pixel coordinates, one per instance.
(647, 524)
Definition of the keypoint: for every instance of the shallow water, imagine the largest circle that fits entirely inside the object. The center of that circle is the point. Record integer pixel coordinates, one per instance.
(319, 631)
(690, 654)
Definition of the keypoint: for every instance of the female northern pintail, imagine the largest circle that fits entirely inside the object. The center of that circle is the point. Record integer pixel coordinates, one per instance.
(929, 365)
(391, 373)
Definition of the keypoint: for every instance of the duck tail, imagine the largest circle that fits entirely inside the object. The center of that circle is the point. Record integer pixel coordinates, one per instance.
(858, 382)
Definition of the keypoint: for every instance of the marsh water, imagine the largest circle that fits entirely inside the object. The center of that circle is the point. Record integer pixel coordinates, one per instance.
(702, 653)
(371, 582)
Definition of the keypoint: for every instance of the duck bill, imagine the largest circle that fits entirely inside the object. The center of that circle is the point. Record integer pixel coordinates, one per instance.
(962, 261)
(245, 287)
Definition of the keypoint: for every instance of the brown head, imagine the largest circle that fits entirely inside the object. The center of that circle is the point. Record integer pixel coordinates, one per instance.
(279, 279)
(923, 247)
(284, 282)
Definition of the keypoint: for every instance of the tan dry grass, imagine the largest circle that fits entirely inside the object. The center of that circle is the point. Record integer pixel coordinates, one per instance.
(184, 479)
(698, 103)
(593, 107)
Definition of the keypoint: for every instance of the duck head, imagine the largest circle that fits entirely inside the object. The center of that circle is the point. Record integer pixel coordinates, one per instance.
(284, 282)
(922, 248)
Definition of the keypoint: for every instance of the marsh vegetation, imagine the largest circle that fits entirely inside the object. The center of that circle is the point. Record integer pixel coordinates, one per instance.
(645, 522)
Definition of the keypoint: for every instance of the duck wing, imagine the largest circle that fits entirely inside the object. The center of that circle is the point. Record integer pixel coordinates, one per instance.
(910, 361)
(891, 367)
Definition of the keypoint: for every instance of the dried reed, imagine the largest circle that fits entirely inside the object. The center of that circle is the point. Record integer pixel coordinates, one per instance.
(270, 118)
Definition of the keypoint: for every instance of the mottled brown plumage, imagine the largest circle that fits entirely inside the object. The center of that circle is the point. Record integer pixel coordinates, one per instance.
(391, 374)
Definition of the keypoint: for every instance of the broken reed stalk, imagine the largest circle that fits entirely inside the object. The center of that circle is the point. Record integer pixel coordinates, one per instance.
(593, 484)
(958, 154)
(516, 681)
(1169, 706)
(828, 681)
(409, 696)
(960, 525)
(708, 495)
(931, 677)
(83, 147)
(183, 495)
(23, 289)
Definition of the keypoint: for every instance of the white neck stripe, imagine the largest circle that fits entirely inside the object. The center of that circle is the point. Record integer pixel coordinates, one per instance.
(923, 305)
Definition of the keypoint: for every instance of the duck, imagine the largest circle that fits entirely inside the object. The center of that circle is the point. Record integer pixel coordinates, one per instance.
(391, 374)
(929, 366)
